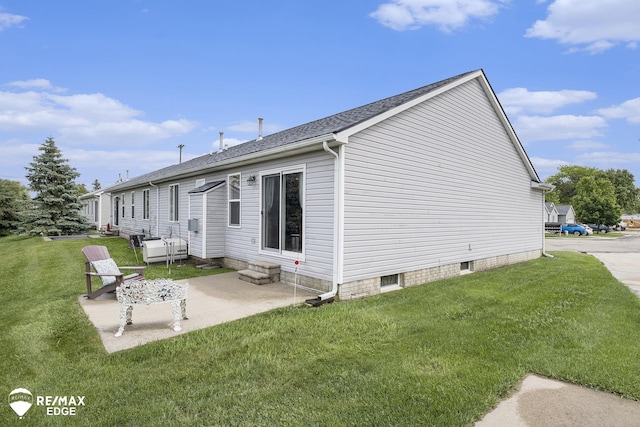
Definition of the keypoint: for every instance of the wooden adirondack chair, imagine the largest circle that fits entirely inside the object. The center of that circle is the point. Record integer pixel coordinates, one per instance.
(99, 263)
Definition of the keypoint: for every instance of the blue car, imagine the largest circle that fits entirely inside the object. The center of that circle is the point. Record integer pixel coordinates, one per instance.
(575, 229)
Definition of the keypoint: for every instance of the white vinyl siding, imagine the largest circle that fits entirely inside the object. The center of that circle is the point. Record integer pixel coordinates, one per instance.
(243, 243)
(438, 184)
(210, 209)
(196, 211)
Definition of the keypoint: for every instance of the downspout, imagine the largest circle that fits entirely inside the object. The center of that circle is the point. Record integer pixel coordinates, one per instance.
(336, 222)
(157, 208)
(544, 187)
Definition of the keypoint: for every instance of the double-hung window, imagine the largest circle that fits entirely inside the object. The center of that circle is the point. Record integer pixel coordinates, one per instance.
(145, 204)
(133, 204)
(123, 207)
(173, 202)
(282, 208)
(234, 200)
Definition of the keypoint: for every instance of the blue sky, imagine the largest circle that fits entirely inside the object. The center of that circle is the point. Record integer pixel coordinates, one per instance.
(120, 84)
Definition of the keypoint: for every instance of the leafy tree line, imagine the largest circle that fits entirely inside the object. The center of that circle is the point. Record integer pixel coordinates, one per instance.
(55, 208)
(597, 196)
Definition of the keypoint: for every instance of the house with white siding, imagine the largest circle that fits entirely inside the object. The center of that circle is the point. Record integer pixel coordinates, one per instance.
(566, 214)
(96, 208)
(427, 184)
(551, 212)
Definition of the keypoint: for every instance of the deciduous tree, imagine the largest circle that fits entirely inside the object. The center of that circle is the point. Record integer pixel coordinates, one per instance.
(595, 201)
(14, 198)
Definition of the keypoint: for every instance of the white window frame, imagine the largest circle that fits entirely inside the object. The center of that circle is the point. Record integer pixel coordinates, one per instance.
(174, 202)
(234, 200)
(146, 203)
(133, 204)
(281, 252)
(124, 209)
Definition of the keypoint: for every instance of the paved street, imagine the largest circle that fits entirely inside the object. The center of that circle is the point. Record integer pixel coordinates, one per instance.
(629, 243)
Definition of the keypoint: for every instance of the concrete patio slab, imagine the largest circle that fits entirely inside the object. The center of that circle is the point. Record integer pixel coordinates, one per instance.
(211, 300)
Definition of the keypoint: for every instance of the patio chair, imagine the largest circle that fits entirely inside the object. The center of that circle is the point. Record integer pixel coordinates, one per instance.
(99, 263)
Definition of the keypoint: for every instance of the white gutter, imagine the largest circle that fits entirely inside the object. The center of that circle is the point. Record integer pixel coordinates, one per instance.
(336, 222)
(299, 147)
(157, 209)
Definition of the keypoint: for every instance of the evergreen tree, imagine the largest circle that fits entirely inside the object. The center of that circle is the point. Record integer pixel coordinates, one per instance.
(96, 185)
(14, 198)
(55, 209)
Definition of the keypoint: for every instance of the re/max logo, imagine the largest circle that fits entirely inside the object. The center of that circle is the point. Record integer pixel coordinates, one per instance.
(59, 400)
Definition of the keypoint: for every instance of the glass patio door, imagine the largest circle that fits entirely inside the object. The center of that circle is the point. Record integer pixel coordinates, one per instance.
(282, 212)
(271, 211)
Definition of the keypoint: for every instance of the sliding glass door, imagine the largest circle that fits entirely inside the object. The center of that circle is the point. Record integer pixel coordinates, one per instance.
(271, 212)
(282, 211)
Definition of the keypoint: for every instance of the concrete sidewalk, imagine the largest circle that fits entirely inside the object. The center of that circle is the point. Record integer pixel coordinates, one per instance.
(211, 300)
(541, 402)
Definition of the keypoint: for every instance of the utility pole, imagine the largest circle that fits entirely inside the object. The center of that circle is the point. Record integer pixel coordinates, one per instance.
(181, 146)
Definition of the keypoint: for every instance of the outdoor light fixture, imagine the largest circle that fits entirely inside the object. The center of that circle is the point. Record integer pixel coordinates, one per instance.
(251, 181)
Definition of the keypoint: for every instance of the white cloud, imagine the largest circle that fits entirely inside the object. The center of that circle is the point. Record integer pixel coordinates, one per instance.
(629, 110)
(82, 118)
(35, 84)
(547, 166)
(447, 15)
(8, 20)
(519, 100)
(609, 159)
(537, 128)
(586, 145)
(593, 26)
(122, 163)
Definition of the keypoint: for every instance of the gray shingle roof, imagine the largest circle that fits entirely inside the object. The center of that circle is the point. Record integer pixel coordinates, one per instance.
(332, 124)
(206, 187)
(563, 209)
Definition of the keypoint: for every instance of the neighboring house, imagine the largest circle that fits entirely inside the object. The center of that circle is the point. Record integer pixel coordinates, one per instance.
(551, 212)
(566, 214)
(395, 193)
(96, 208)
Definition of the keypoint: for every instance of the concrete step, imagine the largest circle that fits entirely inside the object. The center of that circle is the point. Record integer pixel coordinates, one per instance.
(255, 277)
(265, 267)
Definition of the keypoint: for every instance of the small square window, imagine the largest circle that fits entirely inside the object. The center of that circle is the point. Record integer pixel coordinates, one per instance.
(389, 280)
(466, 267)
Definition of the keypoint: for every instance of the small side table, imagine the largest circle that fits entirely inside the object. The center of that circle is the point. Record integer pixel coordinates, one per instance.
(152, 292)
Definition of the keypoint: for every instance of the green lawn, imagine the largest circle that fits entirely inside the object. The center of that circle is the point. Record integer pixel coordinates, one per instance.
(440, 354)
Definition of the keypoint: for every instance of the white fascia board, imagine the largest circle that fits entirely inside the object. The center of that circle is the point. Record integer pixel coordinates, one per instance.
(286, 150)
(282, 151)
(542, 186)
(506, 124)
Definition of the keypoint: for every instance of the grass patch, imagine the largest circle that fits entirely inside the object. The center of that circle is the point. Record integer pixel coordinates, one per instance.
(443, 353)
